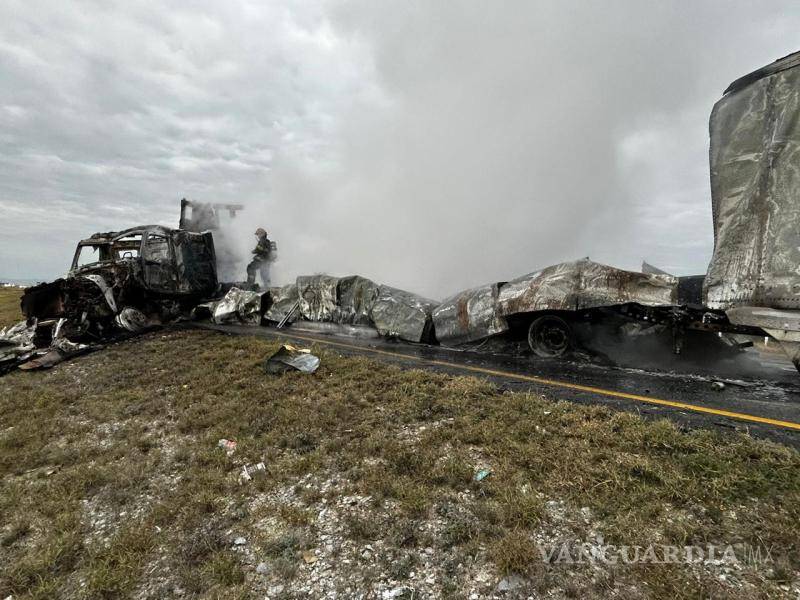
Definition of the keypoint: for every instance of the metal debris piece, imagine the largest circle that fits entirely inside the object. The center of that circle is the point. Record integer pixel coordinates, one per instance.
(60, 350)
(250, 472)
(283, 302)
(717, 386)
(289, 315)
(238, 305)
(16, 345)
(469, 315)
(403, 315)
(289, 358)
(135, 321)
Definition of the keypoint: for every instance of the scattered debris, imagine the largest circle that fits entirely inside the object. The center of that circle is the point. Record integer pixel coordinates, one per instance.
(16, 345)
(250, 472)
(289, 358)
(228, 445)
(482, 474)
(289, 315)
(717, 386)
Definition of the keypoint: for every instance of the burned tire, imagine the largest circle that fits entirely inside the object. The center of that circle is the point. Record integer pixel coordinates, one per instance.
(550, 336)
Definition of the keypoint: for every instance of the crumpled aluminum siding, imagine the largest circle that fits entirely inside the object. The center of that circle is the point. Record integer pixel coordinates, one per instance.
(357, 296)
(238, 305)
(584, 284)
(469, 316)
(16, 343)
(318, 297)
(401, 314)
(283, 299)
(755, 175)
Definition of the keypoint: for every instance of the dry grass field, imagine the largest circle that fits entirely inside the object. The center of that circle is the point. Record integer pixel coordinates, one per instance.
(113, 485)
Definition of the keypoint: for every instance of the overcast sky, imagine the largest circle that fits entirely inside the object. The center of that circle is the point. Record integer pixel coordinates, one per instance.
(429, 145)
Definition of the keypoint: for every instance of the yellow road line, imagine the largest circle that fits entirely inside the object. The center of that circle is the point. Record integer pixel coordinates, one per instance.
(556, 383)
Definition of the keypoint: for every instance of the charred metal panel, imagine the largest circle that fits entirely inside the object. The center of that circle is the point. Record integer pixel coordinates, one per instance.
(44, 301)
(195, 261)
(357, 296)
(690, 290)
(238, 305)
(204, 217)
(318, 297)
(755, 178)
(584, 284)
(283, 300)
(401, 314)
(468, 316)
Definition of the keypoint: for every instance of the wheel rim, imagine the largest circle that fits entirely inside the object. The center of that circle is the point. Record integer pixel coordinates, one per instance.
(550, 336)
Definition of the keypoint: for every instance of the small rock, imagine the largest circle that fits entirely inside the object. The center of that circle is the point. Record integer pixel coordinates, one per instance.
(509, 583)
(717, 386)
(239, 541)
(262, 568)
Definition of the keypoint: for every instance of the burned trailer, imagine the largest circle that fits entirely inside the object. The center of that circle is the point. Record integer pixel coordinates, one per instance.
(754, 273)
(547, 306)
(124, 280)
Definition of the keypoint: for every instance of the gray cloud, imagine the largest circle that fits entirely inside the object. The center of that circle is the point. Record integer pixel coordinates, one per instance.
(429, 145)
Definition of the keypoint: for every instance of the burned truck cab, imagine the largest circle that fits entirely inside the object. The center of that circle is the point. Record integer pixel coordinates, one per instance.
(153, 259)
(151, 269)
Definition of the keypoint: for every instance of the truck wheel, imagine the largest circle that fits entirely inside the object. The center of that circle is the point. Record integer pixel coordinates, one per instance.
(550, 336)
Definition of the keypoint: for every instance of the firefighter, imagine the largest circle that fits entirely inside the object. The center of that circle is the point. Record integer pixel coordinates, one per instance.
(262, 257)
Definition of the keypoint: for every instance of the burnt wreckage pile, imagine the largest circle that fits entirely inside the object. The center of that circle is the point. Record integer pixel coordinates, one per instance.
(543, 306)
(122, 283)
